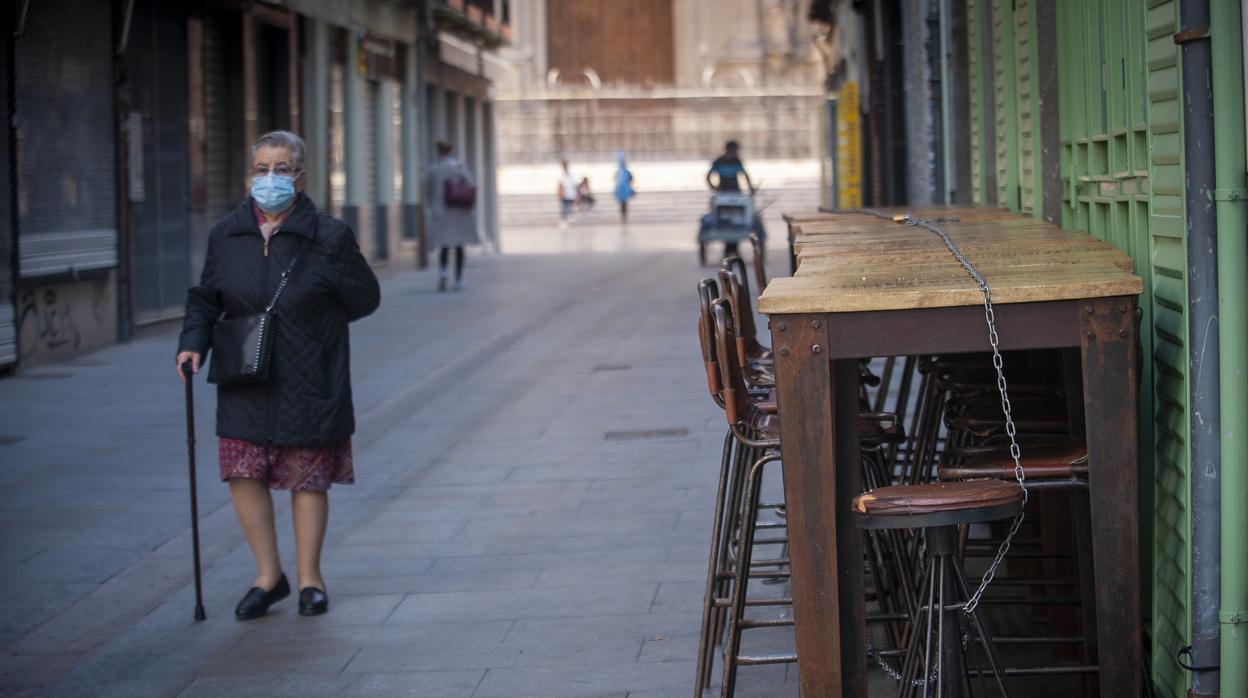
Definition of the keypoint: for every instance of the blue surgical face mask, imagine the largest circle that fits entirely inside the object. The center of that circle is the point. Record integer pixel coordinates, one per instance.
(273, 193)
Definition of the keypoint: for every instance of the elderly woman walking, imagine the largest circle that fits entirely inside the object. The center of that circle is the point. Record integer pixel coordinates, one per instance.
(291, 277)
(452, 223)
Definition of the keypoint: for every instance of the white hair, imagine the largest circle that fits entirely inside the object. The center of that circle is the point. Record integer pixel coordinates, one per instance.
(282, 139)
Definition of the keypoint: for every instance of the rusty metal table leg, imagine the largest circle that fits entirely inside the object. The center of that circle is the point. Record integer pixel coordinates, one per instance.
(1110, 379)
(849, 553)
(826, 567)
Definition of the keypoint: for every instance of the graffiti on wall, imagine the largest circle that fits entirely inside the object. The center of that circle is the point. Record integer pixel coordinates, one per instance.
(45, 321)
(63, 319)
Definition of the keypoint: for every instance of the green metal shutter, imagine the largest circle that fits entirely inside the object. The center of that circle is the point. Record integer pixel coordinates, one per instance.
(976, 67)
(1004, 103)
(1027, 111)
(1119, 118)
(1171, 572)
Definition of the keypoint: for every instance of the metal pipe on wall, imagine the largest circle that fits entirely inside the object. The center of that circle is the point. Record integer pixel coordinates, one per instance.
(1203, 354)
(1231, 201)
(946, 105)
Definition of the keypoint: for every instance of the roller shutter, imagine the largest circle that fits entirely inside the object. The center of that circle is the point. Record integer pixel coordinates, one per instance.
(8, 326)
(1168, 291)
(66, 144)
(159, 224)
(223, 183)
(368, 164)
(1122, 174)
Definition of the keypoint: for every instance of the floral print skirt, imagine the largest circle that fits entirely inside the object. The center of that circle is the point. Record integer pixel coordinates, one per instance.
(285, 467)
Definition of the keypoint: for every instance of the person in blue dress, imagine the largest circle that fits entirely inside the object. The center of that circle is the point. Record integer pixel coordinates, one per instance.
(623, 185)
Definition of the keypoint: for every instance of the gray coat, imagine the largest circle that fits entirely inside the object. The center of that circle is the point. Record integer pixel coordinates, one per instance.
(448, 227)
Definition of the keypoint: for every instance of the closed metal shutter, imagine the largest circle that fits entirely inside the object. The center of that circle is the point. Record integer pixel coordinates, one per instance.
(66, 145)
(222, 182)
(159, 224)
(1123, 182)
(1167, 262)
(368, 165)
(8, 328)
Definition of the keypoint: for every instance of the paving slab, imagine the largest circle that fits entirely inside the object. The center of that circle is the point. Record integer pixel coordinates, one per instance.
(523, 523)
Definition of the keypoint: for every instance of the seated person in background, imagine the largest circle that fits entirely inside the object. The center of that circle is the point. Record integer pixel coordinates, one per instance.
(584, 196)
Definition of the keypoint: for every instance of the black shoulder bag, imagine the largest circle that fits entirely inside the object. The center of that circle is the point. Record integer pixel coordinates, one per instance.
(242, 347)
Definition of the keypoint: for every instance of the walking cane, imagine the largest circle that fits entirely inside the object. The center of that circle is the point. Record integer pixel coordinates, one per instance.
(189, 375)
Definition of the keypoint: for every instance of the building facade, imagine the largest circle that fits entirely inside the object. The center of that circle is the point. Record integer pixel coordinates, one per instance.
(1124, 119)
(659, 79)
(129, 125)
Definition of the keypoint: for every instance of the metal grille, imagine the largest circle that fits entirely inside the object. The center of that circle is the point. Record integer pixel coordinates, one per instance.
(646, 434)
(221, 179)
(67, 197)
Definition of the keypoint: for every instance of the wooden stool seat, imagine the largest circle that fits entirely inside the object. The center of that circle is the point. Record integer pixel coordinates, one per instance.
(1047, 461)
(938, 504)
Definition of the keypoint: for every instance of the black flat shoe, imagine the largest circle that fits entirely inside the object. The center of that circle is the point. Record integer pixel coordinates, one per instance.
(256, 601)
(313, 601)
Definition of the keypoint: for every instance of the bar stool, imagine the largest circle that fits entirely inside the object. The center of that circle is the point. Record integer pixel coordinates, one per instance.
(754, 358)
(753, 423)
(1062, 466)
(1053, 460)
(935, 656)
(751, 436)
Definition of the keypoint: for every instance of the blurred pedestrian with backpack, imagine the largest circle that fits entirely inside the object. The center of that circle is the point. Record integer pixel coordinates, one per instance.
(452, 196)
(623, 185)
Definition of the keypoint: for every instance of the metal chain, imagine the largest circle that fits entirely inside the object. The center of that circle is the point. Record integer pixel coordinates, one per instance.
(997, 363)
(893, 674)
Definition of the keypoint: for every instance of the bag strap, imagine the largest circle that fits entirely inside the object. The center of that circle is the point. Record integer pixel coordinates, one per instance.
(286, 277)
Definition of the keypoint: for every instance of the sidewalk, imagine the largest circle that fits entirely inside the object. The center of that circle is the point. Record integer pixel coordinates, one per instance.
(535, 463)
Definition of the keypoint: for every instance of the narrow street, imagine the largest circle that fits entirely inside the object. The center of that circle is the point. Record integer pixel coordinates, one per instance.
(535, 458)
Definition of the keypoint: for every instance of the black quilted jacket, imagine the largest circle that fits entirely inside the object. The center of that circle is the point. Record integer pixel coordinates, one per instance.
(307, 399)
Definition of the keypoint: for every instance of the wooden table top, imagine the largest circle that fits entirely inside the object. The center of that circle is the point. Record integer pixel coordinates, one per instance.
(850, 262)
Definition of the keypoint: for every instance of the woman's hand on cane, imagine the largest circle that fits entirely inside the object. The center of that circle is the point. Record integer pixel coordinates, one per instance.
(183, 356)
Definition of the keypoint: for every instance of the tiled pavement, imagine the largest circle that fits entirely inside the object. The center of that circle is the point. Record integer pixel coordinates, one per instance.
(498, 542)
